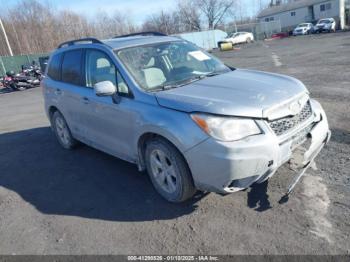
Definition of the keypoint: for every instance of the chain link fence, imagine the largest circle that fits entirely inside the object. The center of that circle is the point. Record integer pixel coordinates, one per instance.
(8, 63)
(261, 30)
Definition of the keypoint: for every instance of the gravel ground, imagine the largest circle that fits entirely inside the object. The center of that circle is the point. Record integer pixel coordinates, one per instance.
(54, 201)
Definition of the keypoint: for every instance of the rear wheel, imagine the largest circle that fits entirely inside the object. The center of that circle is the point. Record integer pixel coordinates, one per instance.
(62, 131)
(168, 171)
(249, 40)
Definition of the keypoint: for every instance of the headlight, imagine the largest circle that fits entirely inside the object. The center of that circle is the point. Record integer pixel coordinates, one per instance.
(226, 128)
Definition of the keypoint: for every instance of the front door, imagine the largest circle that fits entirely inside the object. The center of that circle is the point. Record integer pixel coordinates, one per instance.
(110, 124)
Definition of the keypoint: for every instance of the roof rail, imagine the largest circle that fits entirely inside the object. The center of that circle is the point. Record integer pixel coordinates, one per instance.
(73, 42)
(142, 34)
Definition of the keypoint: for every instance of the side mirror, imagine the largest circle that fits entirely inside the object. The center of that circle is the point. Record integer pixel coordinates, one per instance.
(105, 88)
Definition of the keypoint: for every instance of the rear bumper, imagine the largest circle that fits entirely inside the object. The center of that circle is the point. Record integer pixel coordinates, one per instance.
(226, 167)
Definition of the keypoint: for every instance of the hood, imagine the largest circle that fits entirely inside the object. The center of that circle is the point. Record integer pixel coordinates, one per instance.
(241, 92)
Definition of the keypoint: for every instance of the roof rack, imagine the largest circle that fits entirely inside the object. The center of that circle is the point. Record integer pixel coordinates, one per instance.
(87, 39)
(141, 34)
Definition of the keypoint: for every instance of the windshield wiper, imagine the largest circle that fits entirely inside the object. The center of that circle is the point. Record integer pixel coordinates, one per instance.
(163, 88)
(186, 82)
(212, 74)
(192, 80)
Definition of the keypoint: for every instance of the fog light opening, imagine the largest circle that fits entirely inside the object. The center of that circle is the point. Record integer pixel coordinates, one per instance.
(270, 163)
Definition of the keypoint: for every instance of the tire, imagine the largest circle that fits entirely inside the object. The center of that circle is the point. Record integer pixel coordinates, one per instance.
(249, 40)
(175, 184)
(62, 131)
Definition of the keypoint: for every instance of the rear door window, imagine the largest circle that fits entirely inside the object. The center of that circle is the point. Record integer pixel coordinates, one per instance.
(54, 71)
(71, 67)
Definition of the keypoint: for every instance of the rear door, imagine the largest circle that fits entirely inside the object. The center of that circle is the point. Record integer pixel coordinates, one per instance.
(235, 38)
(243, 37)
(73, 91)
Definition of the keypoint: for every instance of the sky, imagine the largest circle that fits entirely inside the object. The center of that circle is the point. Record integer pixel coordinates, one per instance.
(138, 9)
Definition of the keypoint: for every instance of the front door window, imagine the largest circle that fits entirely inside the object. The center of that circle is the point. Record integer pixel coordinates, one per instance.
(99, 68)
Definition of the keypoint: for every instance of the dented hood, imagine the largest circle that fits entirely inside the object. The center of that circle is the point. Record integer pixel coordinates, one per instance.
(241, 92)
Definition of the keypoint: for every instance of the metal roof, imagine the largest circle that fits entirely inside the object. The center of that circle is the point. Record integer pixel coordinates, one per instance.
(288, 7)
(123, 42)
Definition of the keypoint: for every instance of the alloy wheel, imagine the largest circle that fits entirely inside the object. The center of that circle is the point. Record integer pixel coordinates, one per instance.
(62, 131)
(163, 171)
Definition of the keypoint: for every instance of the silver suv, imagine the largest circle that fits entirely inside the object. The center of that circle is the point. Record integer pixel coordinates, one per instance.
(179, 113)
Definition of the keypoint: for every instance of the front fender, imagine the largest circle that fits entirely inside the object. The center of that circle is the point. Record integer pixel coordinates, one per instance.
(175, 126)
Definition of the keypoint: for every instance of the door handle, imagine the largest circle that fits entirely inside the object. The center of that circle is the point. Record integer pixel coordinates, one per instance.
(58, 91)
(85, 100)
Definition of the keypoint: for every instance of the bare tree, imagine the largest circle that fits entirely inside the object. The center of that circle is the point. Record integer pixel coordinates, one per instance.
(33, 27)
(215, 10)
(124, 24)
(189, 15)
(164, 22)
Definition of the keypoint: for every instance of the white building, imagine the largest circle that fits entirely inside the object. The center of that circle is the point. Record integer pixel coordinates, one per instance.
(299, 11)
(205, 39)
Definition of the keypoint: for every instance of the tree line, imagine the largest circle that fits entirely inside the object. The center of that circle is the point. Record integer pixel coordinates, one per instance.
(34, 27)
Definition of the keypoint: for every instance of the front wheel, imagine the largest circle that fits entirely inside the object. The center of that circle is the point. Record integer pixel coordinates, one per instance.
(168, 171)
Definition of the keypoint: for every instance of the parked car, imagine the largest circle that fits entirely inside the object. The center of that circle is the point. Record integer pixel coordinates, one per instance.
(177, 111)
(303, 29)
(239, 38)
(325, 25)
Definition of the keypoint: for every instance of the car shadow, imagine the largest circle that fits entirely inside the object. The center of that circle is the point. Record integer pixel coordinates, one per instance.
(82, 182)
(258, 199)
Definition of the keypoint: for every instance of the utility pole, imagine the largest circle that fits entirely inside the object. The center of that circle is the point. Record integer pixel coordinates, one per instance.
(6, 39)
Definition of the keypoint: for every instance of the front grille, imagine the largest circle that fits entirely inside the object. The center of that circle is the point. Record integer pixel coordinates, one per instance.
(283, 125)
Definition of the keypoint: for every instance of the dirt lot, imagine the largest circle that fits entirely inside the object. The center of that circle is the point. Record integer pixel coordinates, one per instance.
(54, 201)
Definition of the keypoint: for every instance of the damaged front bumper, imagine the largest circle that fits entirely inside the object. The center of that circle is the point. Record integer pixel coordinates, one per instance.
(226, 167)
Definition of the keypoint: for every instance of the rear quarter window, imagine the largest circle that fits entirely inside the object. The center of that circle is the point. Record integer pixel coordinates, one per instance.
(72, 66)
(54, 71)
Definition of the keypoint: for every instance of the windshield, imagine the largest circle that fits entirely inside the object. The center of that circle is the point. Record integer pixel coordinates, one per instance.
(303, 25)
(324, 22)
(234, 35)
(169, 64)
